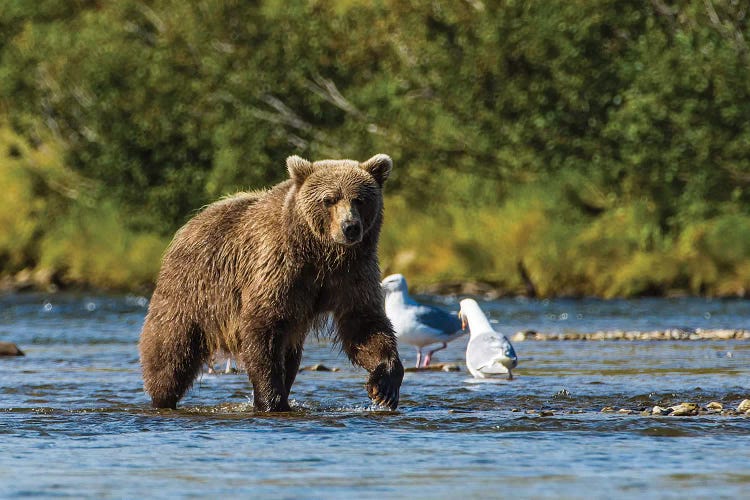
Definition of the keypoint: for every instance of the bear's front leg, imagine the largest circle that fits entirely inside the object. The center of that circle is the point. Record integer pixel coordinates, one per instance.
(264, 356)
(291, 366)
(384, 384)
(369, 341)
(269, 389)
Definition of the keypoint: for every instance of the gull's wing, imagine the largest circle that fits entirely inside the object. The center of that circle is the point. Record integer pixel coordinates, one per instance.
(486, 350)
(437, 319)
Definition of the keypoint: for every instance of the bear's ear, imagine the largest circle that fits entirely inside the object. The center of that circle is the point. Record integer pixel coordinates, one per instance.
(299, 169)
(379, 166)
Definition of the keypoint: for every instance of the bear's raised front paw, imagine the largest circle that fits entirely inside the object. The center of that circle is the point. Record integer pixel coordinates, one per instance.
(384, 384)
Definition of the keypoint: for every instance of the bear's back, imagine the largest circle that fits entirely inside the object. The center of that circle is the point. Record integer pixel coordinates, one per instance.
(212, 242)
(216, 222)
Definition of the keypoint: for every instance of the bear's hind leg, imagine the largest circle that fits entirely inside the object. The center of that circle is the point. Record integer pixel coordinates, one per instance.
(171, 357)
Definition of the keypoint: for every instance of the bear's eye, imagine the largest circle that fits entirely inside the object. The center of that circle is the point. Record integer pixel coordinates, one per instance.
(329, 201)
(357, 202)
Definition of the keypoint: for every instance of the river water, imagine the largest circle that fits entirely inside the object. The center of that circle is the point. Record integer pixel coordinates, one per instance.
(74, 421)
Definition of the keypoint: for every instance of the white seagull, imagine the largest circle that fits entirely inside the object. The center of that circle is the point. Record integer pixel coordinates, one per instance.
(418, 324)
(488, 352)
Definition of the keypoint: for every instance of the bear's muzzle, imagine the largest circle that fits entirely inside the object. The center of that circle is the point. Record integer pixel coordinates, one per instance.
(352, 231)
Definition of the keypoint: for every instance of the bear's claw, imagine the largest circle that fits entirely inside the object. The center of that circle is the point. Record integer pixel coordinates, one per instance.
(384, 384)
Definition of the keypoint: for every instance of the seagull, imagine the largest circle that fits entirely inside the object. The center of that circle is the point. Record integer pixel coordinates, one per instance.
(488, 352)
(418, 324)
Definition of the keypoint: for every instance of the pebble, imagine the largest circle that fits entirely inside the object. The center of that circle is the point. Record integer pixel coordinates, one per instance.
(715, 406)
(659, 410)
(525, 335)
(685, 409)
(744, 406)
(10, 349)
(607, 409)
(546, 413)
(625, 411)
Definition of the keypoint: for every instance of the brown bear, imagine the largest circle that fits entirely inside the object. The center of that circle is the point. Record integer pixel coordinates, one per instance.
(251, 274)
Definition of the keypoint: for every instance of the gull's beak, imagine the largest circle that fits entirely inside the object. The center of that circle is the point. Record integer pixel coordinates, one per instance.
(463, 320)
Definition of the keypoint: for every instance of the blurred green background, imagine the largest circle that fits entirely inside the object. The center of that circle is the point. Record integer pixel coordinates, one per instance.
(596, 147)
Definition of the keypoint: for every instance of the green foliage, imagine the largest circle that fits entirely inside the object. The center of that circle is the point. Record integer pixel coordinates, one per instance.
(601, 145)
(90, 246)
(20, 211)
(50, 223)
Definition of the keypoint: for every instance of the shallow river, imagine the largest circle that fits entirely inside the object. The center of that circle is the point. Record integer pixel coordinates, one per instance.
(74, 421)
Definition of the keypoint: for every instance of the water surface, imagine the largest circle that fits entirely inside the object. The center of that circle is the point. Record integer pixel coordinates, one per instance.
(75, 422)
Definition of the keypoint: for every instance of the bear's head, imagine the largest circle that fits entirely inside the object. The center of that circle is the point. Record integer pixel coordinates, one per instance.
(341, 200)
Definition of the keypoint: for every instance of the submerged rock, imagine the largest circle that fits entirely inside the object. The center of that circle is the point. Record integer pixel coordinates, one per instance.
(318, 368)
(10, 349)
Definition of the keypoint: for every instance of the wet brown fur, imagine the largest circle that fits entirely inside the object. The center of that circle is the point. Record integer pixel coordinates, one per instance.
(252, 273)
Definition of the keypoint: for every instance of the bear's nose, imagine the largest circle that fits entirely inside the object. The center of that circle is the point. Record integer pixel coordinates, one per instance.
(352, 230)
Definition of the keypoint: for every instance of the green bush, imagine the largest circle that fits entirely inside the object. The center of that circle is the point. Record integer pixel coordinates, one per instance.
(91, 246)
(21, 211)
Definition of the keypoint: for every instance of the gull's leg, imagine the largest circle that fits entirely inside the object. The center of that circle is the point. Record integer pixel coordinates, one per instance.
(428, 358)
(419, 355)
(510, 375)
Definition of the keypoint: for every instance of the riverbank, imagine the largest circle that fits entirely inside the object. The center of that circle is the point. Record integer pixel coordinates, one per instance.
(47, 281)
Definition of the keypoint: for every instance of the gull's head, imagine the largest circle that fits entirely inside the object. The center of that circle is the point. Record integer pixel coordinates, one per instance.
(394, 283)
(466, 305)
